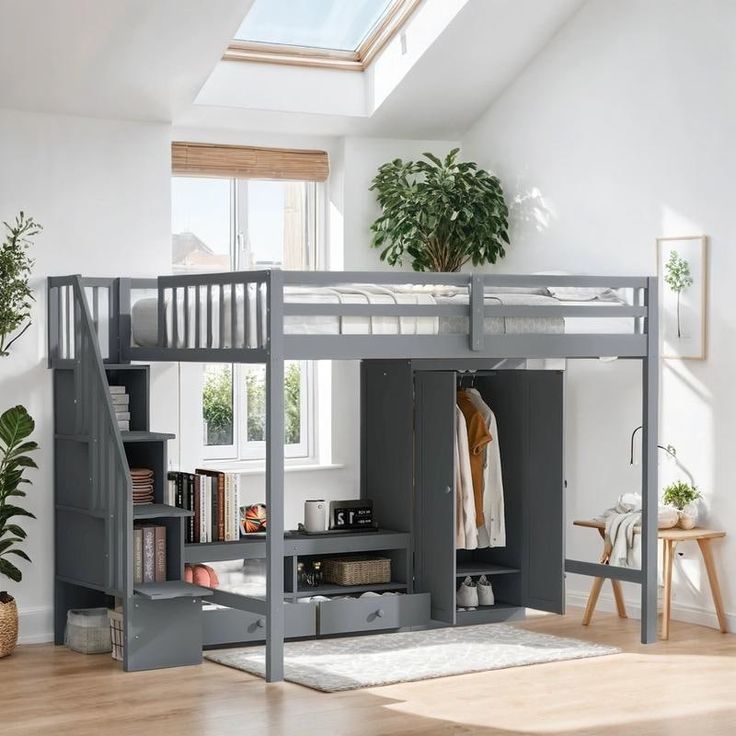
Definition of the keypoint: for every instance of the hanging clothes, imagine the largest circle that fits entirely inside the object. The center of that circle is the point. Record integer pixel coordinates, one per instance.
(478, 438)
(493, 532)
(466, 532)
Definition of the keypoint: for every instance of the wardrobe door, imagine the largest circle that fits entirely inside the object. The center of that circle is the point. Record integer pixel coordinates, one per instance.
(435, 491)
(543, 586)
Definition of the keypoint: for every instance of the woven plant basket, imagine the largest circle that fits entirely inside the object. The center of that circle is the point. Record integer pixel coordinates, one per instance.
(357, 570)
(8, 627)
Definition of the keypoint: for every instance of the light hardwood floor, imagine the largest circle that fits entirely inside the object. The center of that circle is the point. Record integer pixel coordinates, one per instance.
(683, 687)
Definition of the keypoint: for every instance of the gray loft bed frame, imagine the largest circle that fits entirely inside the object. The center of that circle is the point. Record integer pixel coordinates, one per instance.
(90, 325)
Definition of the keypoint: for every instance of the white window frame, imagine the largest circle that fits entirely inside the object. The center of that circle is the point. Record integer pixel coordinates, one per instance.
(241, 450)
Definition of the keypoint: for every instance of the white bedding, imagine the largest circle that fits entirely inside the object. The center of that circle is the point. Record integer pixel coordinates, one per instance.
(144, 315)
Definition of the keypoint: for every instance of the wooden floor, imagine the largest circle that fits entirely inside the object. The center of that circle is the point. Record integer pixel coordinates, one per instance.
(683, 687)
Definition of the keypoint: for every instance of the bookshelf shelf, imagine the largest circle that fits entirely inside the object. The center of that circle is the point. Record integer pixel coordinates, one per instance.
(483, 568)
(159, 511)
(346, 589)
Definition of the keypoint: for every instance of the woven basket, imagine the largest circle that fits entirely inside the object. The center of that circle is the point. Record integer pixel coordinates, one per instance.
(8, 627)
(357, 570)
(116, 634)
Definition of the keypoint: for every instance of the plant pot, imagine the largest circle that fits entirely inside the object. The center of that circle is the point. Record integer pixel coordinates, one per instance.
(8, 624)
(688, 516)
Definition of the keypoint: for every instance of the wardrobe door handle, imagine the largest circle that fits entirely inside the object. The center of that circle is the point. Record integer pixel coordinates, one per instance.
(448, 489)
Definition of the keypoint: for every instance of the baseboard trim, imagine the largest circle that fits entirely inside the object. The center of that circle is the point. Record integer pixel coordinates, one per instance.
(35, 625)
(680, 612)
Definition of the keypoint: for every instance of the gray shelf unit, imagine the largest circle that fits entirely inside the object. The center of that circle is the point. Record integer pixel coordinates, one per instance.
(190, 303)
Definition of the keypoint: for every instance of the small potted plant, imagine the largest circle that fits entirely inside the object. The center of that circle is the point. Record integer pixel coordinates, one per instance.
(683, 497)
(16, 426)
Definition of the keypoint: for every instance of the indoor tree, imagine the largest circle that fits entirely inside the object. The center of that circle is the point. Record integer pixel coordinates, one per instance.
(677, 277)
(440, 213)
(15, 268)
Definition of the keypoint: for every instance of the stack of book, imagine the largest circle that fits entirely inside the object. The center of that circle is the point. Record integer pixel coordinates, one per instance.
(121, 404)
(213, 497)
(149, 553)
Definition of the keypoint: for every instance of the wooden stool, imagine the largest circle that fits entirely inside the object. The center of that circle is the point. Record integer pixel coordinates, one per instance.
(670, 538)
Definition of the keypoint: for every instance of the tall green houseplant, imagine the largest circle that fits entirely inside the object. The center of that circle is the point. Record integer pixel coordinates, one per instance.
(439, 213)
(15, 268)
(16, 426)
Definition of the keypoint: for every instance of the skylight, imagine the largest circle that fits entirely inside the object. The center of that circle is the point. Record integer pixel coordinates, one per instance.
(339, 25)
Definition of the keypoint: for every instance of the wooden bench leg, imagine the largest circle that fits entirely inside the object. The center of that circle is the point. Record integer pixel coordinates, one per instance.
(595, 591)
(715, 588)
(668, 548)
(618, 594)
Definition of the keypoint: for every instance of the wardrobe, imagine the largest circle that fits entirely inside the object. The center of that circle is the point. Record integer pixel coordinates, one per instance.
(408, 424)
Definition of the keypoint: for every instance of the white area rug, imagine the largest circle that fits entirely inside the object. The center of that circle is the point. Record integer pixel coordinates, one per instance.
(332, 665)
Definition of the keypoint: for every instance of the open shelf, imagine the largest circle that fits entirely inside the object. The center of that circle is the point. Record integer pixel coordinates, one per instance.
(158, 511)
(146, 436)
(171, 589)
(491, 614)
(346, 589)
(464, 569)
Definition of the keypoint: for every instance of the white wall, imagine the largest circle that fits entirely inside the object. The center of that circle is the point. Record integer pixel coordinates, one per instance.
(101, 191)
(621, 130)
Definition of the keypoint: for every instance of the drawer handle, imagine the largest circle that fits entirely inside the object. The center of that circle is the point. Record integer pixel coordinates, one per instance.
(261, 623)
(379, 613)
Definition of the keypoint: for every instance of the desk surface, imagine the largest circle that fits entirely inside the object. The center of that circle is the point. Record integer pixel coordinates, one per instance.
(675, 534)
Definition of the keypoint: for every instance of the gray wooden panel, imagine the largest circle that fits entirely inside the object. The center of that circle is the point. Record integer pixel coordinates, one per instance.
(162, 633)
(387, 437)
(435, 491)
(544, 519)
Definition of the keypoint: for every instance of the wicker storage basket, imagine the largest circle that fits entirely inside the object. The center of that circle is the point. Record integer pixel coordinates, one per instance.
(116, 633)
(357, 570)
(8, 627)
(87, 630)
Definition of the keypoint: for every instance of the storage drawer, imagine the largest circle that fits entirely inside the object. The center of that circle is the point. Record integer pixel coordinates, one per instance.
(373, 614)
(230, 626)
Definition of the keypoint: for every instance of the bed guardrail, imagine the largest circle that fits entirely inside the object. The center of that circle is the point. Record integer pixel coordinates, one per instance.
(74, 344)
(225, 316)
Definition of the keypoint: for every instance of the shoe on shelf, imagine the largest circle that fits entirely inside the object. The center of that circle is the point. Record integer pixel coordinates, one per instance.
(485, 592)
(467, 594)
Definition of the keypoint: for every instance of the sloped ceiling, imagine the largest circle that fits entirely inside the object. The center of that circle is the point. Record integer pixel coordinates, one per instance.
(477, 55)
(125, 59)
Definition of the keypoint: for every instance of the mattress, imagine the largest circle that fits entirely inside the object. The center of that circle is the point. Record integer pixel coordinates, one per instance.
(251, 331)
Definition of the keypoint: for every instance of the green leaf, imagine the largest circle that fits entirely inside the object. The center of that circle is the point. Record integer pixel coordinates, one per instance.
(15, 425)
(20, 553)
(10, 570)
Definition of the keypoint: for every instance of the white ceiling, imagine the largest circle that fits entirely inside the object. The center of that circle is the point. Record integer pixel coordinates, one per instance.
(127, 59)
(149, 59)
(480, 52)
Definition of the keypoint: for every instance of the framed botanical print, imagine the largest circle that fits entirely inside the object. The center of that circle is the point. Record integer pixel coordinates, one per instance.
(682, 271)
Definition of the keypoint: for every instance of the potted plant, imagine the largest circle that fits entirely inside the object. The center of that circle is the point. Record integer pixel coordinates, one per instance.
(16, 426)
(683, 497)
(441, 214)
(15, 293)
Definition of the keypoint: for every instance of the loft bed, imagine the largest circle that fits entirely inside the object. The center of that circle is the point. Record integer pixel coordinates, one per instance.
(98, 325)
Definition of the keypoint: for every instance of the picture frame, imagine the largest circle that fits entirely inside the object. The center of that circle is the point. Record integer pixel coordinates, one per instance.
(682, 273)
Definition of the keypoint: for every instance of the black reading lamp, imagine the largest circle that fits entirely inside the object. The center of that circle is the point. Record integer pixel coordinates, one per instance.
(669, 449)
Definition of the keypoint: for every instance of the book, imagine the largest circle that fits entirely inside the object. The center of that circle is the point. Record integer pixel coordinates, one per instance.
(160, 554)
(117, 389)
(121, 401)
(122, 415)
(137, 556)
(196, 502)
(124, 426)
(149, 554)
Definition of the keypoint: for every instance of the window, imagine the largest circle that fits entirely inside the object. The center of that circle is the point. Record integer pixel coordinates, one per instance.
(330, 33)
(219, 224)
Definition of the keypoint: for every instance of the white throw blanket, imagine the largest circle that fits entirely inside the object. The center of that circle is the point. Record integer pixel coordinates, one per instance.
(621, 522)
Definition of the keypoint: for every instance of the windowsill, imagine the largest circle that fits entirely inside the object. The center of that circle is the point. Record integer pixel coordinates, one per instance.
(254, 468)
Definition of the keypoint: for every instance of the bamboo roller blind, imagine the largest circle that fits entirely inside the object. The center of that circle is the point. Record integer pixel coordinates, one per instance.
(248, 162)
